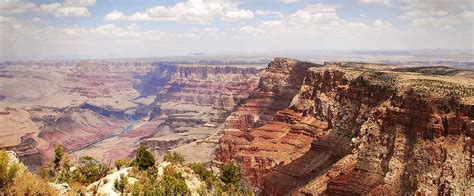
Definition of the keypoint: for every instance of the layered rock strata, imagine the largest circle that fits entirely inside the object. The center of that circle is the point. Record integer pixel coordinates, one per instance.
(193, 104)
(106, 108)
(362, 131)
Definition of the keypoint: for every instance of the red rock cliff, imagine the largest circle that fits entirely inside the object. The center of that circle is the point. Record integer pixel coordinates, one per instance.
(359, 131)
(278, 84)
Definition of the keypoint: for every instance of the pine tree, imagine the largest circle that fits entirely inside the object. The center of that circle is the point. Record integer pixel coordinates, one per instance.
(144, 158)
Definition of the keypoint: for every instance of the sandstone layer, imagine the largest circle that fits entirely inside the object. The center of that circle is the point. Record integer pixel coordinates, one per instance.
(358, 130)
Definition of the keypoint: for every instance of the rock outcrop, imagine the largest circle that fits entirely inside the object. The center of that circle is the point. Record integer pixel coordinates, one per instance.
(278, 84)
(362, 131)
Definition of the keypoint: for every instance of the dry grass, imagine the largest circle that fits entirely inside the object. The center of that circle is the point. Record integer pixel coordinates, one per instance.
(31, 184)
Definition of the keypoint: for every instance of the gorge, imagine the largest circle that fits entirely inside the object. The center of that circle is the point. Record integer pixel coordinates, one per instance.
(292, 127)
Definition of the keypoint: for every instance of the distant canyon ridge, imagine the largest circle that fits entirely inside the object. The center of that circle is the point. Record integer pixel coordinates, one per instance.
(291, 126)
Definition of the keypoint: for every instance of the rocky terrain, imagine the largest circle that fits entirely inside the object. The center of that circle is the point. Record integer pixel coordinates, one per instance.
(361, 129)
(293, 127)
(105, 109)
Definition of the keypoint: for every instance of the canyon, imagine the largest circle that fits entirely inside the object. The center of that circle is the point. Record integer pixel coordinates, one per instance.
(292, 127)
(106, 109)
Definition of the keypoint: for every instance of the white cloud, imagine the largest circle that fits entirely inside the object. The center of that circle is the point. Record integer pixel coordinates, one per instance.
(381, 2)
(114, 16)
(191, 12)
(440, 14)
(290, 1)
(313, 18)
(267, 13)
(467, 16)
(133, 26)
(71, 12)
(79, 3)
(69, 8)
(423, 13)
(139, 17)
(237, 15)
(11, 7)
(39, 21)
(384, 25)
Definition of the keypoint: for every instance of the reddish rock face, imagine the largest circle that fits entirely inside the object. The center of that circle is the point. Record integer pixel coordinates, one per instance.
(355, 131)
(278, 84)
(221, 87)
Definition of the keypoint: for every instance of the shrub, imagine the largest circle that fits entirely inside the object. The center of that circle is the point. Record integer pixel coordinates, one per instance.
(65, 174)
(174, 185)
(144, 158)
(8, 171)
(170, 183)
(121, 183)
(58, 156)
(230, 173)
(203, 174)
(121, 163)
(174, 157)
(89, 170)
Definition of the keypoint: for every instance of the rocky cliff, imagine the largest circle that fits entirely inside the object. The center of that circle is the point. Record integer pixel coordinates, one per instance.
(277, 86)
(362, 131)
(194, 101)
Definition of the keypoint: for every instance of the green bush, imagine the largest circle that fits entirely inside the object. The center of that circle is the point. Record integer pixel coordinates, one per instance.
(144, 158)
(203, 174)
(230, 173)
(89, 170)
(170, 183)
(174, 185)
(121, 163)
(174, 157)
(121, 183)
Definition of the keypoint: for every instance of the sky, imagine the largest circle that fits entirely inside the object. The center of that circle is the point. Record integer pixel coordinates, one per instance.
(146, 28)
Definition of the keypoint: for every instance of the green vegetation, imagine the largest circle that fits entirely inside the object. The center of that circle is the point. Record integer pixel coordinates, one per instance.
(204, 174)
(150, 182)
(15, 181)
(121, 183)
(8, 171)
(122, 163)
(58, 156)
(152, 179)
(230, 173)
(89, 170)
(174, 157)
(144, 158)
(173, 182)
(65, 174)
